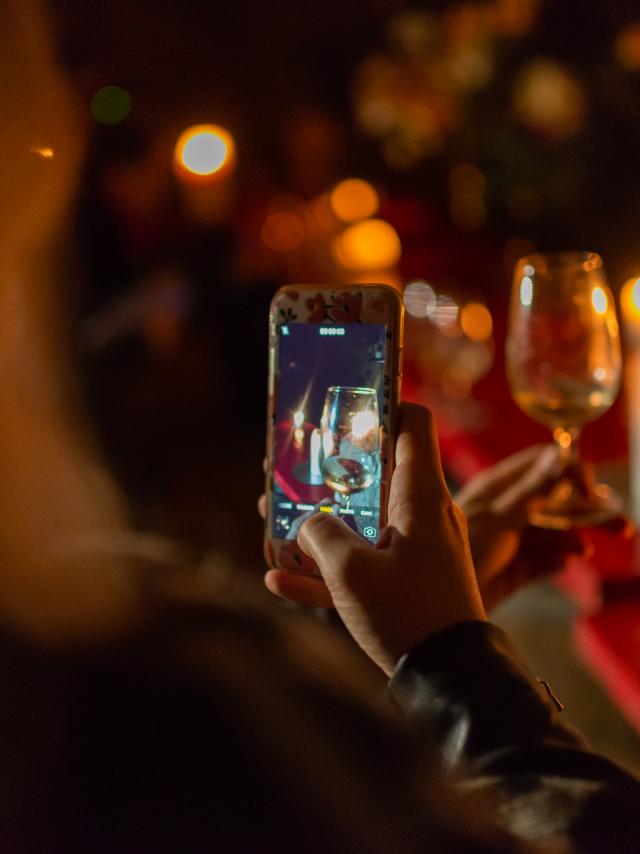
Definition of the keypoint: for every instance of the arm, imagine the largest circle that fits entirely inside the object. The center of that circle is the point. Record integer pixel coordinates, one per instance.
(413, 605)
(474, 692)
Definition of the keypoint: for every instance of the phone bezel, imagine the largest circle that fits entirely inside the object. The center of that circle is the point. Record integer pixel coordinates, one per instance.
(378, 303)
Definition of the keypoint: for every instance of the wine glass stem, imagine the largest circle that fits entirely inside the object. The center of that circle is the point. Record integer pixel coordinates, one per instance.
(568, 440)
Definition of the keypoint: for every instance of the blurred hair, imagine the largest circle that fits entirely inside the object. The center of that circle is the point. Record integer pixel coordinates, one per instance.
(52, 485)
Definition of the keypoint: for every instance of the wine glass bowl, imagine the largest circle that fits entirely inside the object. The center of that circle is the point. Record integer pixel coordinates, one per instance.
(350, 435)
(564, 367)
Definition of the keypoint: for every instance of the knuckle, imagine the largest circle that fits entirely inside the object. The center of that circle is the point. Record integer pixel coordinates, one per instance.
(313, 528)
(459, 517)
(439, 496)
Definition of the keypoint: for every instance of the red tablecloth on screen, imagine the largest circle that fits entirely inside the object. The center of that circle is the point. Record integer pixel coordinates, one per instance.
(292, 459)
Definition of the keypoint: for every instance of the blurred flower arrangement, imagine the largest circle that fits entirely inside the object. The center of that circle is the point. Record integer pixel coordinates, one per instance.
(471, 86)
(413, 97)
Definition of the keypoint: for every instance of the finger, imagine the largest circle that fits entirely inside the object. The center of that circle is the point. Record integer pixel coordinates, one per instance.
(329, 542)
(531, 482)
(302, 589)
(262, 506)
(418, 479)
(493, 481)
(417, 443)
(299, 522)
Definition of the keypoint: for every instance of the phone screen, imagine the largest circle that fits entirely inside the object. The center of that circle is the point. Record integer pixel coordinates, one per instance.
(328, 440)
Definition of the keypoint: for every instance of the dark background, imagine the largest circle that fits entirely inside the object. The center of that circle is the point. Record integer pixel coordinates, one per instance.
(176, 390)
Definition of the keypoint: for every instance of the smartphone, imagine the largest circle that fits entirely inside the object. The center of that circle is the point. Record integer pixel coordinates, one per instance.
(335, 365)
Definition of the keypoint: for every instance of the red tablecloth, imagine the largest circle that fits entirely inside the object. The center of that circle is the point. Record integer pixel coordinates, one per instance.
(610, 644)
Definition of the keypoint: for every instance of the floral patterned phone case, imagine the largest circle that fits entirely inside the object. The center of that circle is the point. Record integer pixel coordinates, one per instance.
(335, 363)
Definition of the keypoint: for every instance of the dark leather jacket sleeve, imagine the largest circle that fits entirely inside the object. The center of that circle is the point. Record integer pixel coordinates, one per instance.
(501, 730)
(476, 695)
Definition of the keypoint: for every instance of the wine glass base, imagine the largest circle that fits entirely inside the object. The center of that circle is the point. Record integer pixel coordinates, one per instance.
(566, 508)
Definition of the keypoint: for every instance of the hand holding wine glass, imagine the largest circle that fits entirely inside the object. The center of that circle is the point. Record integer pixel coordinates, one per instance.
(564, 367)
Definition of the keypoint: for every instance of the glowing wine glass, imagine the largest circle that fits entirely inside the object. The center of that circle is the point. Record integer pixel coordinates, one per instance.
(564, 368)
(350, 440)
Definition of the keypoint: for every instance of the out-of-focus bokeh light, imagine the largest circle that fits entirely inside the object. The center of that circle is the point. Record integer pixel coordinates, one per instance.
(563, 437)
(413, 31)
(111, 105)
(471, 66)
(526, 291)
(354, 199)
(404, 152)
(369, 245)
(476, 357)
(595, 398)
(549, 100)
(46, 152)
(419, 299)
(515, 18)
(376, 108)
(282, 231)
(599, 301)
(476, 322)
(446, 315)
(630, 300)
(456, 382)
(204, 150)
(320, 217)
(627, 46)
(466, 178)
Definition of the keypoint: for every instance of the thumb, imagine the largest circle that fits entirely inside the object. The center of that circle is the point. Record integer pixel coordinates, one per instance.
(329, 541)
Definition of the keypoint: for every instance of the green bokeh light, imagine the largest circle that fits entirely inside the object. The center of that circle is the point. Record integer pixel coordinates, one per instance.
(111, 105)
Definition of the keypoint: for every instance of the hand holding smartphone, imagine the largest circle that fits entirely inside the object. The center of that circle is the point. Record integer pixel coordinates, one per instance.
(335, 355)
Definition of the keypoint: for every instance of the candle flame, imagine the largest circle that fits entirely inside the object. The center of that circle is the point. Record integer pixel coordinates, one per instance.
(45, 152)
(363, 423)
(630, 299)
(599, 300)
(204, 150)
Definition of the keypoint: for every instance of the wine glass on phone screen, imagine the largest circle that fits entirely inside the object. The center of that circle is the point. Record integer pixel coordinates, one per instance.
(350, 440)
(564, 368)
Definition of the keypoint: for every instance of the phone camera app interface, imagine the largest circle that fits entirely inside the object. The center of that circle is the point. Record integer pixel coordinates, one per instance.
(328, 425)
